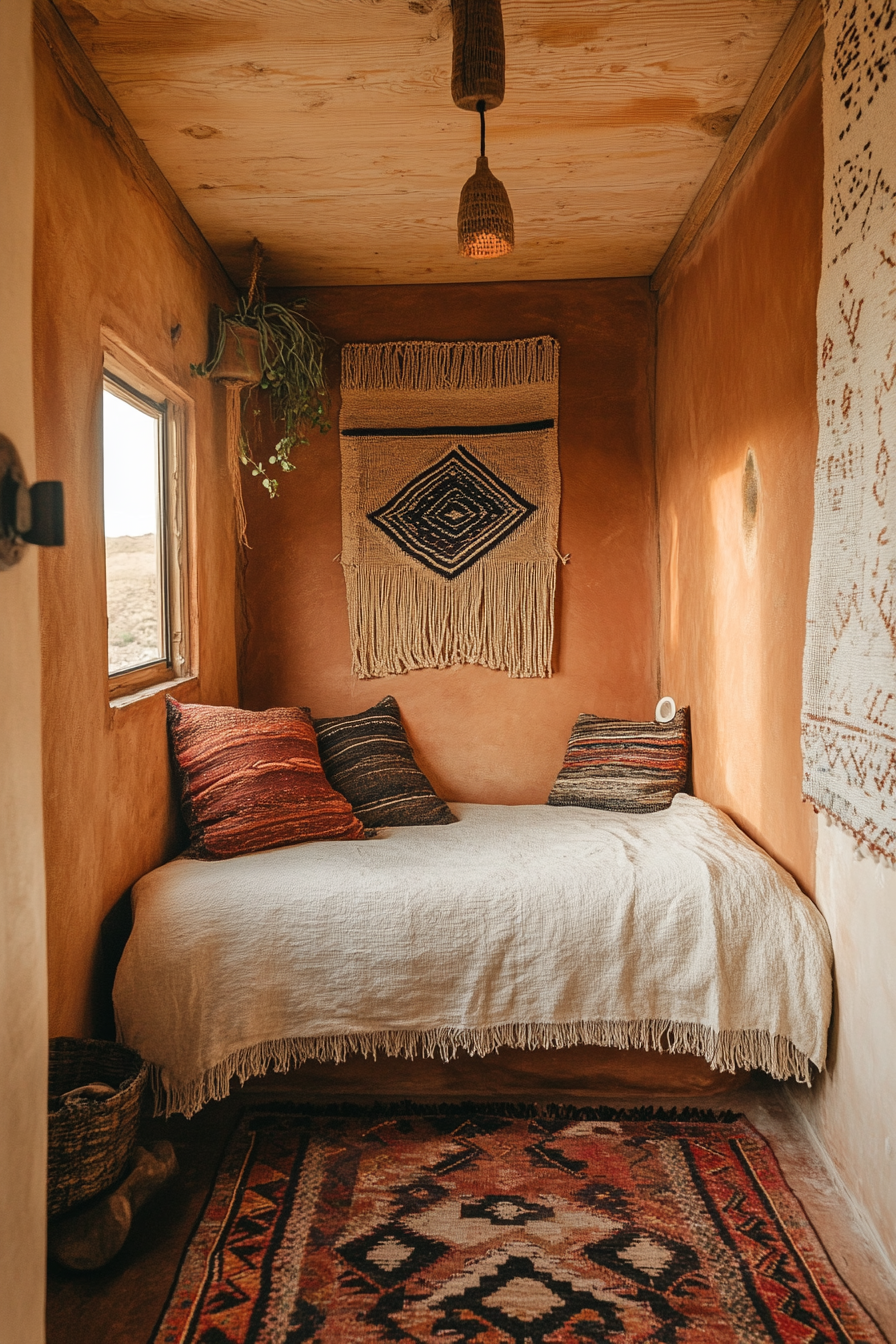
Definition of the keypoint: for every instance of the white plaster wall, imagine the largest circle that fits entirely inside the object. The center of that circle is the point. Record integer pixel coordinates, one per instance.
(23, 990)
(852, 1108)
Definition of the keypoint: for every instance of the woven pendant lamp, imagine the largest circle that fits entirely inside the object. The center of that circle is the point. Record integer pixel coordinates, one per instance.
(477, 71)
(484, 219)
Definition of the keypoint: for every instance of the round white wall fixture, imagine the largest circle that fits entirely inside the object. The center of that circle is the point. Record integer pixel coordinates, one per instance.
(665, 710)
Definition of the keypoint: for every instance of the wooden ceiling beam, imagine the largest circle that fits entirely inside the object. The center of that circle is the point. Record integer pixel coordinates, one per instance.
(94, 101)
(795, 41)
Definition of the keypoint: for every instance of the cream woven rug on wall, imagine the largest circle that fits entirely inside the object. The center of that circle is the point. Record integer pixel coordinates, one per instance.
(849, 670)
(450, 504)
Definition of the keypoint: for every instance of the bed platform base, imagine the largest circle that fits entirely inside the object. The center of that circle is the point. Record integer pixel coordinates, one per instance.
(580, 1072)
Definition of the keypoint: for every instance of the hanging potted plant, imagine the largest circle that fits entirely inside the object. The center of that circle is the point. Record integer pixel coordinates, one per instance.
(276, 348)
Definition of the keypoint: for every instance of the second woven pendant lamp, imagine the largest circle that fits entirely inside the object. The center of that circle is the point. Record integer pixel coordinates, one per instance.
(484, 219)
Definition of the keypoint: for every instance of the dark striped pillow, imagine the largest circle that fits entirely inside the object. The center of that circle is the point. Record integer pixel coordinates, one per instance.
(622, 766)
(369, 760)
(251, 781)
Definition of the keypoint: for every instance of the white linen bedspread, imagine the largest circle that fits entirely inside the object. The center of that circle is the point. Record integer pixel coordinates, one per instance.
(519, 925)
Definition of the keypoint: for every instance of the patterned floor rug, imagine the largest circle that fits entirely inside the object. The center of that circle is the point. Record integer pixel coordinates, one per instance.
(489, 1225)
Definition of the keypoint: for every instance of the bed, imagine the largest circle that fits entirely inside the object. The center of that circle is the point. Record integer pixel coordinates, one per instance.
(521, 926)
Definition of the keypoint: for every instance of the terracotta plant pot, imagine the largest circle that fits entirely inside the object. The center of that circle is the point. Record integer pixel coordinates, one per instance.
(241, 362)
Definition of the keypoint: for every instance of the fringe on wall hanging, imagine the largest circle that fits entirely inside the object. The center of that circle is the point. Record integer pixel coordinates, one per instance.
(450, 504)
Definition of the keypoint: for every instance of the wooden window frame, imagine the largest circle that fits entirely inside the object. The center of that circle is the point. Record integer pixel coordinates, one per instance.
(125, 372)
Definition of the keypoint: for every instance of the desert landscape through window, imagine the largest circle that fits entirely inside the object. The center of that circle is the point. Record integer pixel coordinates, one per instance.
(134, 590)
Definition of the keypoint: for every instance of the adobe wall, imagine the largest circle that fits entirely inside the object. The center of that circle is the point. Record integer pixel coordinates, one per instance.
(482, 736)
(23, 981)
(736, 372)
(106, 253)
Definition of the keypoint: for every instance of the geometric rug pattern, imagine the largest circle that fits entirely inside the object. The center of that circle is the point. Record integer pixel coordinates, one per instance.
(497, 1226)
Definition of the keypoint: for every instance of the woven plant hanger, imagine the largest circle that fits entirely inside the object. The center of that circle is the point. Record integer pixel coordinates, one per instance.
(234, 390)
(477, 72)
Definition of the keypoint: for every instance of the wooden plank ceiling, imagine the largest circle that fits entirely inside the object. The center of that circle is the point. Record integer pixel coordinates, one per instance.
(326, 127)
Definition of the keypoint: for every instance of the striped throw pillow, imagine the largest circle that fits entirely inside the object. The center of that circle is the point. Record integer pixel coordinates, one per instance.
(368, 758)
(622, 766)
(251, 781)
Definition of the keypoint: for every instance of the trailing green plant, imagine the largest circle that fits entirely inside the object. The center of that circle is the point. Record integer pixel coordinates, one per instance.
(291, 354)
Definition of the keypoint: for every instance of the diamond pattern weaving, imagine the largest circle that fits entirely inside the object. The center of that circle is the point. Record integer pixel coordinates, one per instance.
(453, 514)
(450, 504)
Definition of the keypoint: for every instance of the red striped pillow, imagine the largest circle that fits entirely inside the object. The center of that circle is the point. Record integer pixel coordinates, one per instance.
(621, 766)
(252, 781)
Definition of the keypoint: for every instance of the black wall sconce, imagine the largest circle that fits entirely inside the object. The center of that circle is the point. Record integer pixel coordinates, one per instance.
(29, 516)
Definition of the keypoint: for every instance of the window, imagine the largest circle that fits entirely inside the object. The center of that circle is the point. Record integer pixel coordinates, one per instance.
(144, 512)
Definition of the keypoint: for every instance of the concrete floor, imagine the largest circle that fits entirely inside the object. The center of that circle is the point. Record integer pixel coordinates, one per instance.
(121, 1304)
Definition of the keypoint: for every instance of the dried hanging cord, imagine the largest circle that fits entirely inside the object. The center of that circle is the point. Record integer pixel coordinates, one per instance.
(256, 289)
(236, 448)
(480, 108)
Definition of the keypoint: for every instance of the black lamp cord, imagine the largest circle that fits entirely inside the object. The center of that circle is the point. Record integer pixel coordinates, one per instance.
(480, 108)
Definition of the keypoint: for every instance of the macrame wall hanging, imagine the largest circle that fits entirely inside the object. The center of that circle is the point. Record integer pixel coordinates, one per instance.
(450, 504)
(849, 667)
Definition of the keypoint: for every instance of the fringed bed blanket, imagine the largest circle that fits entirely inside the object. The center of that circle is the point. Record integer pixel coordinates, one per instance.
(521, 926)
(450, 504)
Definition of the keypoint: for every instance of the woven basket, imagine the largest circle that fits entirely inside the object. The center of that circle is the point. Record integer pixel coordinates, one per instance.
(89, 1142)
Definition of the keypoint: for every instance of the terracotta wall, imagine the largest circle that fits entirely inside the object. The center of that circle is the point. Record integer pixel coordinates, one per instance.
(23, 984)
(106, 253)
(482, 736)
(852, 1107)
(736, 374)
(736, 371)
